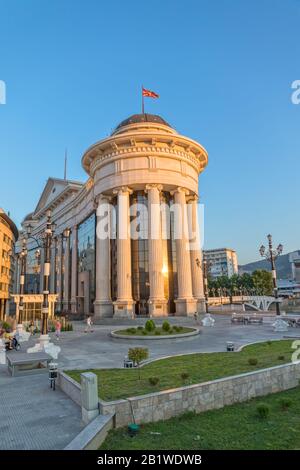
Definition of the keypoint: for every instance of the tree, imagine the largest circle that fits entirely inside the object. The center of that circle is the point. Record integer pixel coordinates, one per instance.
(262, 281)
(137, 355)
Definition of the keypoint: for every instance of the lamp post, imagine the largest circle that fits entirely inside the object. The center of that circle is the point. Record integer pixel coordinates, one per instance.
(271, 255)
(45, 243)
(205, 282)
(23, 257)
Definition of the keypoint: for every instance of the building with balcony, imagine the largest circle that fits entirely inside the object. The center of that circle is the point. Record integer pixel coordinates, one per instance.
(221, 262)
(8, 238)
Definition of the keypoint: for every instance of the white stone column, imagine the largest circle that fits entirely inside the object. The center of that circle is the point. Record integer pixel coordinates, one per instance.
(74, 270)
(59, 273)
(157, 301)
(124, 305)
(196, 254)
(66, 299)
(103, 304)
(185, 303)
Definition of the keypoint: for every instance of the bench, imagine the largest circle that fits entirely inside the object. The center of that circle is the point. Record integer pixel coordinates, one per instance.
(27, 364)
(246, 319)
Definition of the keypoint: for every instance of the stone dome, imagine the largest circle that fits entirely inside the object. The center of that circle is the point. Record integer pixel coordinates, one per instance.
(140, 118)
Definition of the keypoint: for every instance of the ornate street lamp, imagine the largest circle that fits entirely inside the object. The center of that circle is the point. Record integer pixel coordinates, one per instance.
(22, 257)
(45, 242)
(271, 255)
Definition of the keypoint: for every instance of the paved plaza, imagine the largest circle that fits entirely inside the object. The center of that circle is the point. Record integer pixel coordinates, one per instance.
(32, 416)
(98, 349)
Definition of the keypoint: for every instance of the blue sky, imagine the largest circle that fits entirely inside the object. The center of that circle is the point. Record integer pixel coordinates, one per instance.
(223, 69)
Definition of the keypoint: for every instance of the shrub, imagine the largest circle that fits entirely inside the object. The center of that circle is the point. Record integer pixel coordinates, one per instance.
(185, 375)
(176, 328)
(263, 410)
(140, 328)
(5, 326)
(144, 332)
(137, 355)
(157, 332)
(153, 380)
(150, 325)
(166, 326)
(269, 343)
(170, 331)
(131, 331)
(252, 361)
(281, 357)
(285, 403)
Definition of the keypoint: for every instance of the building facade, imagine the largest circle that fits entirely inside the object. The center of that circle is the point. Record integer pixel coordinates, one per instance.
(221, 262)
(294, 259)
(124, 255)
(8, 238)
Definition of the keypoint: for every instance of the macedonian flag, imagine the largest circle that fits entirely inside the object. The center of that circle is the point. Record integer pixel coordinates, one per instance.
(149, 94)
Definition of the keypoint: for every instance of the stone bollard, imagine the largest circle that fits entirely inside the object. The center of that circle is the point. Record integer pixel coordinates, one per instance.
(89, 396)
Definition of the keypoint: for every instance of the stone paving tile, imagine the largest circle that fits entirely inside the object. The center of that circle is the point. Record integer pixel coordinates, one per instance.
(32, 416)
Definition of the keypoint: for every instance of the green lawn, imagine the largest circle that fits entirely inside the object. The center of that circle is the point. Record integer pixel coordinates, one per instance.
(123, 383)
(233, 427)
(158, 331)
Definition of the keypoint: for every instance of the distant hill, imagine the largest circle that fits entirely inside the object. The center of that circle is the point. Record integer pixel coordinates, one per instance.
(283, 267)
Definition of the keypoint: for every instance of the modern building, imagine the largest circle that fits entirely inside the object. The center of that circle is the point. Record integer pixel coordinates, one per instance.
(221, 262)
(143, 178)
(288, 288)
(294, 259)
(8, 238)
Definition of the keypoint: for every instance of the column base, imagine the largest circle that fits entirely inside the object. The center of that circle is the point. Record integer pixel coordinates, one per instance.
(73, 306)
(103, 309)
(158, 308)
(124, 308)
(185, 307)
(201, 307)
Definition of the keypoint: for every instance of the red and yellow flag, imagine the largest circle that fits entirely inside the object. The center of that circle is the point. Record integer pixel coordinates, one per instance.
(149, 93)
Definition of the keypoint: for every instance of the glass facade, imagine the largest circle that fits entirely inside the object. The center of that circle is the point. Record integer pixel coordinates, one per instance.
(33, 269)
(139, 252)
(87, 260)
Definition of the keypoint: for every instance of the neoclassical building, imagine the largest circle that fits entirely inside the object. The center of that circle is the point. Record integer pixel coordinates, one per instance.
(143, 178)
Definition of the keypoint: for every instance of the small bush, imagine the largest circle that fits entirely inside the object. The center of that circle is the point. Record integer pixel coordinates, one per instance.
(252, 361)
(144, 332)
(285, 403)
(131, 331)
(5, 326)
(269, 343)
(140, 328)
(157, 332)
(166, 326)
(171, 331)
(263, 411)
(185, 375)
(150, 325)
(281, 358)
(176, 328)
(153, 380)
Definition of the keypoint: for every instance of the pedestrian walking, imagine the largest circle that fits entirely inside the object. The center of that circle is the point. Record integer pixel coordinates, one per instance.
(57, 329)
(88, 325)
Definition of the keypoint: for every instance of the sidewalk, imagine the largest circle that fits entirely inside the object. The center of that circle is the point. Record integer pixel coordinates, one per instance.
(32, 416)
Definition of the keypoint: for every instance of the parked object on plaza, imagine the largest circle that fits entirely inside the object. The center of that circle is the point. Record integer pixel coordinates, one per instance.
(52, 374)
(128, 363)
(208, 320)
(2, 352)
(44, 345)
(229, 346)
(280, 325)
(27, 364)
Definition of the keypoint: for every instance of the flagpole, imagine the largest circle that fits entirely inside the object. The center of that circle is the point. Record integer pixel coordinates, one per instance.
(143, 104)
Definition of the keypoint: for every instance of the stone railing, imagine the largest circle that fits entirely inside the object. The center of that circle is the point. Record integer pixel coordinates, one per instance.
(199, 397)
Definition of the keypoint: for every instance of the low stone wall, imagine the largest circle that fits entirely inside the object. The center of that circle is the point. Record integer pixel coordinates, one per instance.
(70, 387)
(92, 436)
(196, 331)
(200, 397)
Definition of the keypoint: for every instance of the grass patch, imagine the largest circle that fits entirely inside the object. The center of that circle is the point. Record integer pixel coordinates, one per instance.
(157, 331)
(123, 383)
(233, 427)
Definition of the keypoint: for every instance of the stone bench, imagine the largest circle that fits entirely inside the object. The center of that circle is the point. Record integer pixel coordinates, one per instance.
(26, 364)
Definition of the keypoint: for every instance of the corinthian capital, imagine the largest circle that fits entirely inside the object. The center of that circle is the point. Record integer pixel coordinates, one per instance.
(123, 190)
(148, 187)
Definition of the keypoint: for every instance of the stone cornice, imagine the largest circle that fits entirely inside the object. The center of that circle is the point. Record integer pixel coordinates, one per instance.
(127, 145)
